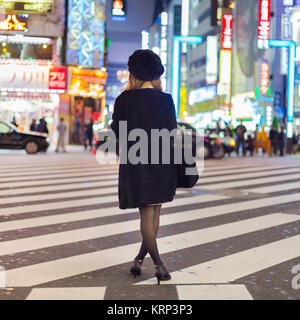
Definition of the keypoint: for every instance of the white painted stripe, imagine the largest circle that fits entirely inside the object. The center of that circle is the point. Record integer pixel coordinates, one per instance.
(59, 176)
(276, 188)
(243, 170)
(67, 194)
(235, 266)
(213, 292)
(59, 196)
(247, 182)
(58, 171)
(247, 176)
(107, 212)
(222, 209)
(36, 183)
(82, 293)
(71, 266)
(31, 191)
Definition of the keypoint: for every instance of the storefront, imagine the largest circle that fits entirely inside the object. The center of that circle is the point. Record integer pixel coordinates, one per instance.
(31, 90)
(87, 96)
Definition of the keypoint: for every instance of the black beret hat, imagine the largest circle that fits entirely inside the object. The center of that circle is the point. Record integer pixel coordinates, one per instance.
(145, 65)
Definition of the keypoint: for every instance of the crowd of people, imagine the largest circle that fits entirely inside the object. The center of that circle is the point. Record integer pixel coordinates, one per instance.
(273, 143)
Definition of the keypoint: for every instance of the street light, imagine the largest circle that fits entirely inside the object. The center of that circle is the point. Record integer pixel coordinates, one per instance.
(176, 66)
(291, 45)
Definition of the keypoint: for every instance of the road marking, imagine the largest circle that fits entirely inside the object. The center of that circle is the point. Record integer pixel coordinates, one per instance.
(38, 183)
(58, 176)
(108, 212)
(245, 170)
(54, 196)
(30, 191)
(246, 176)
(213, 292)
(254, 181)
(236, 266)
(58, 171)
(85, 293)
(276, 188)
(67, 267)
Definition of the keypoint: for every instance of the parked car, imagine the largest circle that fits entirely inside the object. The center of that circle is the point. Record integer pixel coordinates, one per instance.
(13, 138)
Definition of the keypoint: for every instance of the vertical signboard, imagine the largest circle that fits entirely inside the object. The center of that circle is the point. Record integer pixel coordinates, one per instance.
(264, 77)
(264, 15)
(224, 87)
(226, 32)
(286, 33)
(211, 59)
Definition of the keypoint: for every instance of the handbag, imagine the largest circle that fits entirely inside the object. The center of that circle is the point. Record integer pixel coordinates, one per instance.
(187, 175)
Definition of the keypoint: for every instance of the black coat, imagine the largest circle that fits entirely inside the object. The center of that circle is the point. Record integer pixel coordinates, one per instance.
(145, 184)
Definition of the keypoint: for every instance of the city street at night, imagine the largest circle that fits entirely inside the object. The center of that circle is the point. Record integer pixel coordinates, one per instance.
(149, 157)
(235, 235)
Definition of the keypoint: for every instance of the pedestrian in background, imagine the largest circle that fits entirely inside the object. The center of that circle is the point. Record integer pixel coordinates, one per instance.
(88, 135)
(248, 146)
(295, 144)
(43, 126)
(281, 141)
(273, 136)
(61, 130)
(146, 186)
(75, 133)
(33, 126)
(14, 122)
(240, 137)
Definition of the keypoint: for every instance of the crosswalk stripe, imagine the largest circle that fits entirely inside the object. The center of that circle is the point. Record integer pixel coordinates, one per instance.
(37, 183)
(213, 292)
(66, 194)
(71, 266)
(245, 170)
(57, 171)
(54, 188)
(276, 188)
(82, 293)
(247, 176)
(100, 213)
(58, 176)
(60, 204)
(236, 266)
(254, 181)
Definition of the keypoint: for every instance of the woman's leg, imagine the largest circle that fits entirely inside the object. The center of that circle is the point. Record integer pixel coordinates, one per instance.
(149, 229)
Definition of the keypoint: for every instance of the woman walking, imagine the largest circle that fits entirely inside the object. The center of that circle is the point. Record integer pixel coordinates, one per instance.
(143, 105)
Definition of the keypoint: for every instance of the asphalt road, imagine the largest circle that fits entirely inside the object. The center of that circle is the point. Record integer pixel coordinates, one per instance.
(236, 235)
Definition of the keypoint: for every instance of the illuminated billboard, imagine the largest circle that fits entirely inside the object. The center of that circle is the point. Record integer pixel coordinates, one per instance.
(13, 22)
(264, 23)
(119, 10)
(26, 6)
(86, 33)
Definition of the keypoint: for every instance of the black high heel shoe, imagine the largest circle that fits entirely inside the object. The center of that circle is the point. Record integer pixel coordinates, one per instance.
(136, 269)
(162, 274)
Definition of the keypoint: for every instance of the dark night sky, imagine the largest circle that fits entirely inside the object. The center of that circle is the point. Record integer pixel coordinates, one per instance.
(126, 36)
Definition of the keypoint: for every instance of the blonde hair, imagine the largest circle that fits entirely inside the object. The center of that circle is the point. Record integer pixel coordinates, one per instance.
(134, 83)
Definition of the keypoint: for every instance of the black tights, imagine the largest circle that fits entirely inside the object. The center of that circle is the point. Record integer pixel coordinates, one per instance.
(149, 229)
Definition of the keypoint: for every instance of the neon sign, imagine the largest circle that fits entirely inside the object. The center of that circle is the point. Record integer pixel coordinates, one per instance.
(264, 78)
(264, 15)
(119, 10)
(11, 23)
(226, 39)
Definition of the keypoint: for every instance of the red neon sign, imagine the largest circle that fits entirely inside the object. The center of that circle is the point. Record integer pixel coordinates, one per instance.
(58, 78)
(11, 23)
(264, 15)
(226, 32)
(264, 77)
